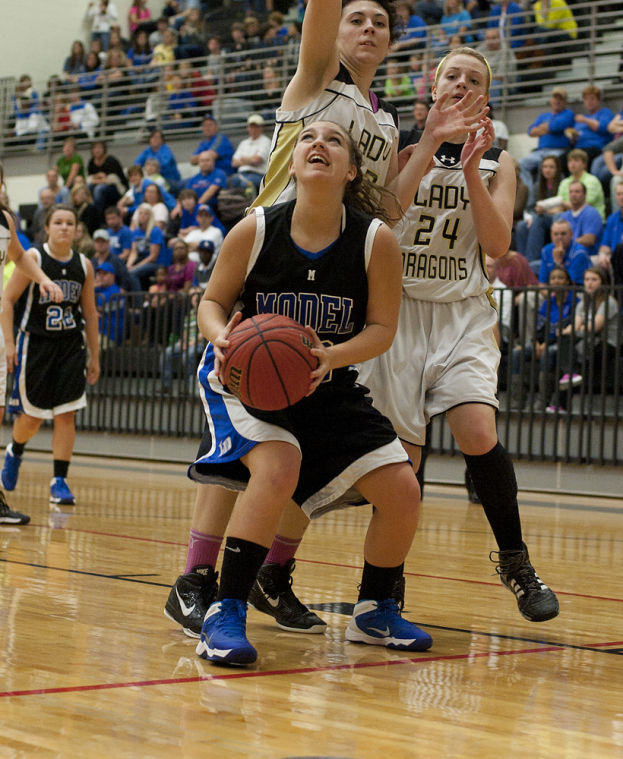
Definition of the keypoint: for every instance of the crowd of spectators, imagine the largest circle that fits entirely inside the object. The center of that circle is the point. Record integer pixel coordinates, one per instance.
(149, 229)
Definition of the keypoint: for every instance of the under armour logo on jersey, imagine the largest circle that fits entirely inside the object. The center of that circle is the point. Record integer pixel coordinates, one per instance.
(450, 160)
(224, 446)
(311, 275)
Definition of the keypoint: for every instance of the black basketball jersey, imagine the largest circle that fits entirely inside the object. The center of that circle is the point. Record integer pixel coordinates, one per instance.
(56, 320)
(327, 290)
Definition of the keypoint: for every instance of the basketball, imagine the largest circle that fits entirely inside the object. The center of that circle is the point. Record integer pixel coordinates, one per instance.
(269, 362)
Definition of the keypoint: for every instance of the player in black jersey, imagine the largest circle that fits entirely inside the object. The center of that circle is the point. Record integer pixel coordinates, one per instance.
(11, 249)
(52, 360)
(333, 439)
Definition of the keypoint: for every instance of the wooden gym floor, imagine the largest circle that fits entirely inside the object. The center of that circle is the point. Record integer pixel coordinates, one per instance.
(89, 665)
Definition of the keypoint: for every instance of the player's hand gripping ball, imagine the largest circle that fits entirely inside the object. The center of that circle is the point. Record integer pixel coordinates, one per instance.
(269, 362)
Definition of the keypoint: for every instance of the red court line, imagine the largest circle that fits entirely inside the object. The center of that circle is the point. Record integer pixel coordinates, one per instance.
(277, 672)
(447, 578)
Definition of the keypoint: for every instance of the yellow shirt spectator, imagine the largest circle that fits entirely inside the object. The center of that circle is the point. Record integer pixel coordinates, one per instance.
(555, 15)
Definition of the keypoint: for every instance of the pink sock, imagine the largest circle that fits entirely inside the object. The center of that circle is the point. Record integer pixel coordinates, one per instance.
(282, 550)
(202, 549)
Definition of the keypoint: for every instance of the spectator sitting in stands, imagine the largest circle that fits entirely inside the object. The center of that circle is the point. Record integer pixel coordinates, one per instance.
(502, 62)
(110, 304)
(158, 286)
(430, 10)
(577, 161)
(119, 235)
(413, 31)
(134, 194)
(508, 18)
(597, 325)
(105, 177)
(201, 88)
(156, 37)
(397, 82)
(563, 251)
(140, 56)
(181, 105)
(152, 196)
(207, 232)
(207, 259)
(61, 193)
(208, 181)
(556, 26)
(216, 60)
(217, 142)
(87, 81)
(186, 209)
(168, 165)
(117, 42)
(181, 272)
(75, 62)
(456, 20)
(501, 139)
(82, 202)
(149, 249)
(36, 231)
(586, 221)
(114, 78)
(83, 242)
(102, 254)
(191, 39)
(70, 164)
(554, 315)
(138, 14)
(590, 130)
(96, 47)
(165, 51)
(190, 344)
(608, 167)
(421, 79)
(82, 114)
(100, 14)
(151, 170)
(411, 136)
(544, 203)
(611, 248)
(29, 119)
(251, 157)
(550, 128)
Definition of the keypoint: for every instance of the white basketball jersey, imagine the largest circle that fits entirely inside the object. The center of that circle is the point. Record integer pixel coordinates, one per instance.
(441, 255)
(374, 129)
(5, 239)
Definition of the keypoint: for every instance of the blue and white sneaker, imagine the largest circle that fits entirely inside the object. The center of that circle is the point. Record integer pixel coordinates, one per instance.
(10, 470)
(379, 623)
(60, 492)
(224, 635)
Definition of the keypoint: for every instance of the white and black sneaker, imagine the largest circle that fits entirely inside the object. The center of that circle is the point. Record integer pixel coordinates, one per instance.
(8, 516)
(272, 594)
(190, 598)
(536, 602)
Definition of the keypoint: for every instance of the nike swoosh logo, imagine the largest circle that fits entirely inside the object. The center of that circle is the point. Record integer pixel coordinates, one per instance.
(380, 632)
(273, 602)
(186, 610)
(235, 550)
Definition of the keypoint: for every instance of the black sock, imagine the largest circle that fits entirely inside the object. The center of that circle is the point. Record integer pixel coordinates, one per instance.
(61, 468)
(377, 583)
(241, 563)
(494, 481)
(17, 448)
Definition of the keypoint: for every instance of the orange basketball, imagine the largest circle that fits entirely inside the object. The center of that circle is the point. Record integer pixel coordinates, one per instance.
(269, 362)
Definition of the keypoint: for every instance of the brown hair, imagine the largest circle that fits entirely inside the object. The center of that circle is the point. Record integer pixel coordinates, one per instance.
(389, 7)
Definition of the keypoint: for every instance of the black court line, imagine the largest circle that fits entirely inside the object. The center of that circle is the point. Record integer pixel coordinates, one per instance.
(341, 608)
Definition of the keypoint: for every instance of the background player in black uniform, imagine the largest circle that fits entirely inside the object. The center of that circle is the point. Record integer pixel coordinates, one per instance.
(10, 248)
(51, 354)
(286, 453)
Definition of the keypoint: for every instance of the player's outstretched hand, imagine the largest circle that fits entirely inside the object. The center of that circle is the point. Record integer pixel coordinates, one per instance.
(51, 290)
(221, 342)
(322, 354)
(476, 146)
(448, 123)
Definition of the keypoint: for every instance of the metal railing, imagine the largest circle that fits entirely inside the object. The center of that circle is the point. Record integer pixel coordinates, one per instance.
(149, 354)
(169, 97)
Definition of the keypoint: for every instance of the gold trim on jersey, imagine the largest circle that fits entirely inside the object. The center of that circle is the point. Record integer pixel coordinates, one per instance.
(277, 177)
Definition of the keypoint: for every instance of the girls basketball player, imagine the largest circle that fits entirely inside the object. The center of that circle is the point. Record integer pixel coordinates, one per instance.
(10, 248)
(51, 355)
(444, 345)
(342, 45)
(326, 245)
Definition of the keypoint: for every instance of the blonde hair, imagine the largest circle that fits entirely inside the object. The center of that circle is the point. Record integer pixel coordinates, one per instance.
(150, 221)
(464, 50)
